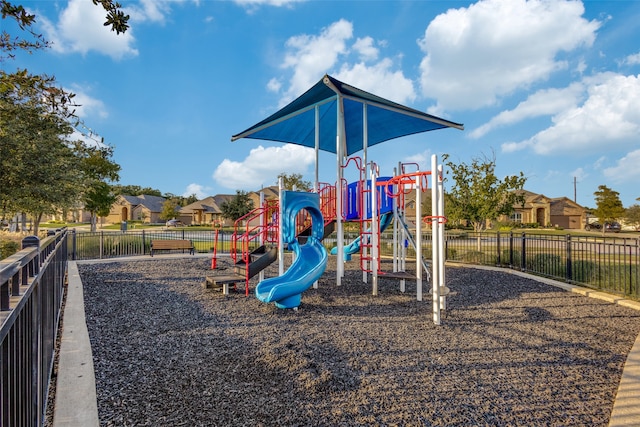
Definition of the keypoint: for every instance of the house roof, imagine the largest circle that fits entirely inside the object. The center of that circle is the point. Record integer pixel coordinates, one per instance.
(153, 203)
(207, 205)
(562, 205)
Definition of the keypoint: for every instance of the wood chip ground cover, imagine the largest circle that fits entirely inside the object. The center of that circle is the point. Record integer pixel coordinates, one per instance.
(510, 351)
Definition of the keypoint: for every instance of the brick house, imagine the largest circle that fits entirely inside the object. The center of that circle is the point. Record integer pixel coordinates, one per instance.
(205, 211)
(545, 211)
(136, 208)
(567, 214)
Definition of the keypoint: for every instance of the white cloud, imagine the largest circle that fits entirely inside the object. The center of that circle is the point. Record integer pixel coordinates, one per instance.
(632, 59)
(610, 117)
(626, 170)
(88, 106)
(476, 55)
(579, 174)
(256, 3)
(200, 191)
(379, 79)
(542, 103)
(274, 85)
(366, 48)
(310, 56)
(80, 29)
(422, 159)
(151, 10)
(262, 167)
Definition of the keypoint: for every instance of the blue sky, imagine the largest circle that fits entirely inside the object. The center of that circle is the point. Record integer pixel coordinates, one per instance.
(551, 88)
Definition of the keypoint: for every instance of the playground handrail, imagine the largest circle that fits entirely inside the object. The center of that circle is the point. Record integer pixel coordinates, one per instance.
(406, 179)
(253, 232)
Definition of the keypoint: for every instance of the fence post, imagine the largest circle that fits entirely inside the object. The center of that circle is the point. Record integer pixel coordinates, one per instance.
(144, 241)
(511, 249)
(499, 263)
(33, 242)
(523, 255)
(101, 243)
(73, 245)
(569, 273)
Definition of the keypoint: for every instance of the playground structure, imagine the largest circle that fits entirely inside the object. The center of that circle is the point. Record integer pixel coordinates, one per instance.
(303, 219)
(355, 119)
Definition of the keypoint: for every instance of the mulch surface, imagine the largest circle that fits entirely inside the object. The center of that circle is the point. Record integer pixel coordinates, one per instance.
(510, 351)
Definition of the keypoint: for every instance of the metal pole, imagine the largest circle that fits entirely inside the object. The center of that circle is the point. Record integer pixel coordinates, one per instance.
(280, 239)
(441, 272)
(375, 230)
(418, 239)
(434, 244)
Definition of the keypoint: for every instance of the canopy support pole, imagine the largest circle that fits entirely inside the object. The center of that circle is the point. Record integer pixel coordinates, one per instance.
(365, 144)
(316, 185)
(339, 157)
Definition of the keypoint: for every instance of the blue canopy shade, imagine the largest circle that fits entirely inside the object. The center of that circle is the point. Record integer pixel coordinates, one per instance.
(296, 122)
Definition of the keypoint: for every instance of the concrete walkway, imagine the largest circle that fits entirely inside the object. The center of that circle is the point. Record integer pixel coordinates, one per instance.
(76, 402)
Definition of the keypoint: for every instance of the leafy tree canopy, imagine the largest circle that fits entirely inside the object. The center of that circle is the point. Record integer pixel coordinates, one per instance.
(478, 196)
(237, 207)
(632, 216)
(294, 180)
(608, 205)
(170, 209)
(135, 190)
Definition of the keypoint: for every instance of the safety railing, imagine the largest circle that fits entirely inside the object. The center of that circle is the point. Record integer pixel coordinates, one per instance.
(115, 244)
(607, 263)
(610, 264)
(31, 290)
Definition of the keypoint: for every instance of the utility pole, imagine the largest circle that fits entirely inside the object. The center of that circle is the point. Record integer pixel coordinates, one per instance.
(575, 197)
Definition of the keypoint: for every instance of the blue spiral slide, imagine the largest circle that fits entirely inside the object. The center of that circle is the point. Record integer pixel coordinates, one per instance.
(310, 259)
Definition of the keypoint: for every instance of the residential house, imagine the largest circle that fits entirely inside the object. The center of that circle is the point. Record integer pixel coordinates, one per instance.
(567, 214)
(143, 208)
(205, 211)
(544, 211)
(536, 209)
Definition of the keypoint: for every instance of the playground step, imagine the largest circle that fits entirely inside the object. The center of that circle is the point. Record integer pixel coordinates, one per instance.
(259, 259)
(222, 282)
(397, 275)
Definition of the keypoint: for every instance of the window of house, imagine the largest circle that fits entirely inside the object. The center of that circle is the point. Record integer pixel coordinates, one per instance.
(516, 217)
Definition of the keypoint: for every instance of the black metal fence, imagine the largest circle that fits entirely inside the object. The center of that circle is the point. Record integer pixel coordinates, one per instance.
(114, 244)
(608, 263)
(31, 290)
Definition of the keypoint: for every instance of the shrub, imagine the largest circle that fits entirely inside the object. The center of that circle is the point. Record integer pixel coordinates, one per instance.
(585, 272)
(8, 248)
(505, 258)
(548, 264)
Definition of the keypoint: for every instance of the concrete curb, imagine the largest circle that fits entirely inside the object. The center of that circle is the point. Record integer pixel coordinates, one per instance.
(76, 402)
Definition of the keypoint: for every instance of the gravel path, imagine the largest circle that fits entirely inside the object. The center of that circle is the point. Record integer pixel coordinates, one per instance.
(511, 351)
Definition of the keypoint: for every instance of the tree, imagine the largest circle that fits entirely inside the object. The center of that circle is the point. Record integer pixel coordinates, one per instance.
(136, 190)
(97, 169)
(170, 209)
(608, 205)
(98, 200)
(237, 207)
(478, 196)
(632, 216)
(40, 172)
(294, 181)
(190, 199)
